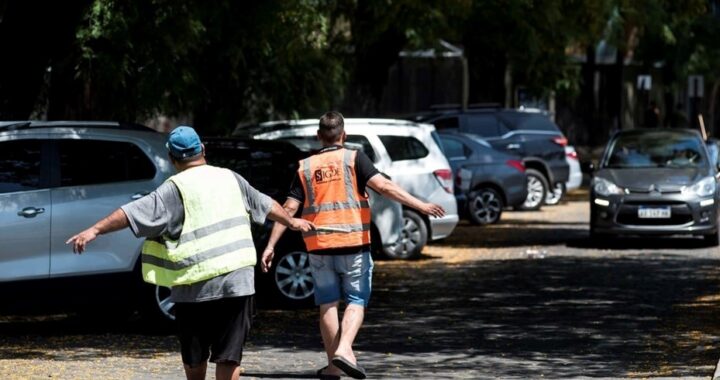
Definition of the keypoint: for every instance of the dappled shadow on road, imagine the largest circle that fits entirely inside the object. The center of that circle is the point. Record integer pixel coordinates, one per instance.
(72, 337)
(557, 317)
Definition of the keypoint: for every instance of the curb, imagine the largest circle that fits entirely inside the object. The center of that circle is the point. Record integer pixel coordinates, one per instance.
(716, 374)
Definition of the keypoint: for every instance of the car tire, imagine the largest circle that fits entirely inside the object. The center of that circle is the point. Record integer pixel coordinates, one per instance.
(555, 195)
(485, 206)
(712, 240)
(537, 190)
(413, 238)
(290, 280)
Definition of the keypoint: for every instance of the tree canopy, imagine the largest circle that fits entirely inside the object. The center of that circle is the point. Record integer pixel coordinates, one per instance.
(225, 62)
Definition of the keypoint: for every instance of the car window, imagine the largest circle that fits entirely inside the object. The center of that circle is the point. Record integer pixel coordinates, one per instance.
(654, 150)
(269, 170)
(92, 162)
(528, 121)
(20, 165)
(404, 147)
(366, 146)
(485, 125)
(447, 123)
(453, 148)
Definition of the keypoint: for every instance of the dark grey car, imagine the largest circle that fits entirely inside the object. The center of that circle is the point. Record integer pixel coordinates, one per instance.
(655, 181)
(486, 180)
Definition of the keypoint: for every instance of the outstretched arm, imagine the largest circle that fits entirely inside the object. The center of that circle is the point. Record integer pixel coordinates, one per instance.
(113, 222)
(290, 207)
(391, 190)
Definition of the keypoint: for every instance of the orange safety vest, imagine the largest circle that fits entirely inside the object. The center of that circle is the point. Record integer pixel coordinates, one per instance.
(332, 200)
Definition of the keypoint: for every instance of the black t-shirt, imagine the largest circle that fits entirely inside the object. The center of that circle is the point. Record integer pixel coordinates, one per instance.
(364, 170)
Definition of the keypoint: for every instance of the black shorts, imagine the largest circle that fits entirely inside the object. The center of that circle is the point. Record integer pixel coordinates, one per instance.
(213, 329)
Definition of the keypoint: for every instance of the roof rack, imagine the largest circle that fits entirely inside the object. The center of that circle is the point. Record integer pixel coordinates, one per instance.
(20, 125)
(452, 106)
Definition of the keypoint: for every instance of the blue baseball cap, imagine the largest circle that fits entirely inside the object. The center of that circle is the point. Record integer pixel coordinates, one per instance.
(183, 142)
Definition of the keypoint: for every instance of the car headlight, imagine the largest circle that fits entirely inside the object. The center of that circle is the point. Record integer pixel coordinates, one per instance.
(605, 187)
(702, 188)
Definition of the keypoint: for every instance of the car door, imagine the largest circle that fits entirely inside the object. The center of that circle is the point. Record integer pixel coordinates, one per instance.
(94, 178)
(25, 210)
(386, 213)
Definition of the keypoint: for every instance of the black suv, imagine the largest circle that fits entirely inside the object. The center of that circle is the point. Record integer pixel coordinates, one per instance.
(531, 135)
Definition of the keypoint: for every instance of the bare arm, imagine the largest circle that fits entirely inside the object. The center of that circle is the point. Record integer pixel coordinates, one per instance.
(113, 222)
(284, 218)
(290, 207)
(391, 190)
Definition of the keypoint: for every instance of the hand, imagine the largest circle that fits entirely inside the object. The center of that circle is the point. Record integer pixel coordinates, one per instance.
(267, 258)
(80, 240)
(433, 209)
(302, 225)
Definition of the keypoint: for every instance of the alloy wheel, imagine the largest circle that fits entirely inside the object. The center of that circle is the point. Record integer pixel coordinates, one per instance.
(166, 306)
(486, 207)
(292, 276)
(536, 192)
(554, 196)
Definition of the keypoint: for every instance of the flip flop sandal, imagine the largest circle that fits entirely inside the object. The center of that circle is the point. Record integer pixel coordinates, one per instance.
(350, 369)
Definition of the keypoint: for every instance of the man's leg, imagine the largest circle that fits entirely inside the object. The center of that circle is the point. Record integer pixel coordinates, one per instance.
(330, 331)
(357, 286)
(227, 371)
(351, 323)
(195, 373)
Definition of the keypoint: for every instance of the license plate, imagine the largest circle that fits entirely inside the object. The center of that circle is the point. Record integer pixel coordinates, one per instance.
(654, 212)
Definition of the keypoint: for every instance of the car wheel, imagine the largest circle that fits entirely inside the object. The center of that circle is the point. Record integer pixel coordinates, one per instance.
(713, 239)
(157, 306)
(292, 281)
(412, 239)
(537, 187)
(485, 206)
(555, 196)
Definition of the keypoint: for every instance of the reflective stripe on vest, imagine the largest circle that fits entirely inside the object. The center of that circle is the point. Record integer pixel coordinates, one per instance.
(215, 238)
(332, 200)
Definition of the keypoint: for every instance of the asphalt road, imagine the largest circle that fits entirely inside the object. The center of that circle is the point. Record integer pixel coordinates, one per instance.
(528, 298)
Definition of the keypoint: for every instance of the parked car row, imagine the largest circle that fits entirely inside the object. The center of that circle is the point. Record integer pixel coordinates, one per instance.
(58, 177)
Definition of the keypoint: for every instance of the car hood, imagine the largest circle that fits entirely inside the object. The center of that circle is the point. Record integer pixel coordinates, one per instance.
(663, 179)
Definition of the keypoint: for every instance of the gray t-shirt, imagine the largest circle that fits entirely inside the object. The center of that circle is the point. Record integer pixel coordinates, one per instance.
(161, 213)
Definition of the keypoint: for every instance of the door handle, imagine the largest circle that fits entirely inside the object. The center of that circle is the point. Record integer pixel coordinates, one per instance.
(512, 146)
(139, 195)
(30, 212)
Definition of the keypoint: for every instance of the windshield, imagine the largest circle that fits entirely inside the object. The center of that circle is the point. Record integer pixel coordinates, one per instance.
(656, 150)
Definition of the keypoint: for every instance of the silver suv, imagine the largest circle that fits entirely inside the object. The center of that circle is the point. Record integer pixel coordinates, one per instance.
(408, 152)
(57, 178)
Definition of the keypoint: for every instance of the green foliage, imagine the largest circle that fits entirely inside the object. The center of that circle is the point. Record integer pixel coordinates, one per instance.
(221, 63)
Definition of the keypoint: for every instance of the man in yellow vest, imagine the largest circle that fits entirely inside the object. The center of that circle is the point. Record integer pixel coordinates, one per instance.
(199, 244)
(331, 187)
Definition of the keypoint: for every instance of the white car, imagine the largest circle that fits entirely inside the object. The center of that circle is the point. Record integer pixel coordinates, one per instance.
(406, 151)
(576, 176)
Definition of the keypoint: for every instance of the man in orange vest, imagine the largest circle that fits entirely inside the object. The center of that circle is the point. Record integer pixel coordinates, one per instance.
(331, 187)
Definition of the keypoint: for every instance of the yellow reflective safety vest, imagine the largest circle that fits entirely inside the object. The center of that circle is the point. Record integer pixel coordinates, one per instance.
(215, 237)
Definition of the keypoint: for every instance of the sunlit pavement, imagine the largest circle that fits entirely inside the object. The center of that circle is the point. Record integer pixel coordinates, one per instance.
(528, 298)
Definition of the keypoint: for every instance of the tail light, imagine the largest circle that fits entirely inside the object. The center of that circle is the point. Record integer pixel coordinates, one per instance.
(560, 140)
(517, 165)
(572, 155)
(444, 177)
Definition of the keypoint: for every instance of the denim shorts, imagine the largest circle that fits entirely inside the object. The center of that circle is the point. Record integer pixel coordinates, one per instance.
(349, 276)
